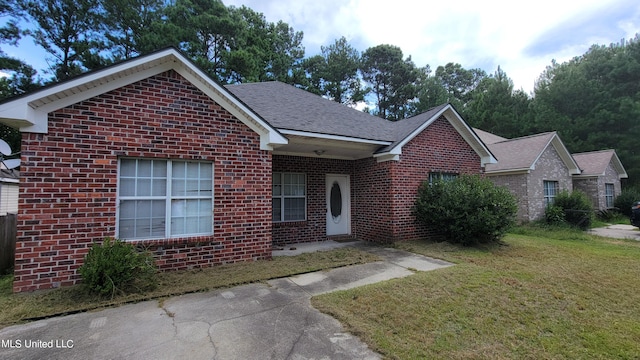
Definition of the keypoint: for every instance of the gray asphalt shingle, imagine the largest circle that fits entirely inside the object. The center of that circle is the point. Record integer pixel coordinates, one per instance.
(287, 107)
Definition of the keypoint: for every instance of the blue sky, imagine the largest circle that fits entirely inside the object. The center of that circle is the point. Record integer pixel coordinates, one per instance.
(521, 37)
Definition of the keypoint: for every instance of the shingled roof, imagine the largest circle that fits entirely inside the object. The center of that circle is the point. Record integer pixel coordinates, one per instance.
(595, 163)
(521, 154)
(288, 108)
(489, 138)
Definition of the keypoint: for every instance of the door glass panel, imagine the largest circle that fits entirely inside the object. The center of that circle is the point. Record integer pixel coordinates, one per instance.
(335, 200)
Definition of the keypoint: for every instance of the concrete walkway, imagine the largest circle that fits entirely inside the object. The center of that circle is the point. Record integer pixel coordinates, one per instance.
(257, 321)
(618, 231)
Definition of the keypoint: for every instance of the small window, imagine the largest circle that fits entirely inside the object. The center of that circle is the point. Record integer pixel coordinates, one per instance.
(289, 197)
(609, 193)
(441, 176)
(551, 189)
(164, 198)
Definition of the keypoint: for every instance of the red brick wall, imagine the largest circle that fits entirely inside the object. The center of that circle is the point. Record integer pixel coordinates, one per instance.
(382, 194)
(372, 204)
(439, 148)
(69, 179)
(315, 227)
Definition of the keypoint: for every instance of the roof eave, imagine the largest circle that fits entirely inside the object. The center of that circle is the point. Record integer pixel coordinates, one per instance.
(30, 112)
(564, 154)
(486, 157)
(617, 164)
(508, 171)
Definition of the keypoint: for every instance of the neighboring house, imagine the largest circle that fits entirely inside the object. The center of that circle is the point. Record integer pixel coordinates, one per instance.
(9, 184)
(154, 151)
(600, 177)
(534, 168)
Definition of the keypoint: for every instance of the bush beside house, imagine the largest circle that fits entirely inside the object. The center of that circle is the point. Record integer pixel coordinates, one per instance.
(468, 210)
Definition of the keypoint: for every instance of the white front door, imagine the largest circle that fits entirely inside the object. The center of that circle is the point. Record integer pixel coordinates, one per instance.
(338, 205)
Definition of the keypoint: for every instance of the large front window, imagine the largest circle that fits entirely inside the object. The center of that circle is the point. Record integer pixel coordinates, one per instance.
(164, 198)
(609, 192)
(551, 189)
(289, 197)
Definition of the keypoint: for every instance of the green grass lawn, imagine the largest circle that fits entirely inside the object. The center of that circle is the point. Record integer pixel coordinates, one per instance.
(542, 295)
(17, 308)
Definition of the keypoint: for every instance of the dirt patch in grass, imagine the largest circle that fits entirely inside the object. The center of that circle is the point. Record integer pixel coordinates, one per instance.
(567, 295)
(18, 308)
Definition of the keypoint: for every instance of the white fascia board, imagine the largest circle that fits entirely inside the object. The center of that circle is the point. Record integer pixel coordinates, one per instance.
(565, 155)
(333, 137)
(31, 112)
(461, 127)
(582, 176)
(19, 114)
(617, 164)
(269, 136)
(418, 131)
(508, 172)
(386, 157)
(302, 154)
(9, 180)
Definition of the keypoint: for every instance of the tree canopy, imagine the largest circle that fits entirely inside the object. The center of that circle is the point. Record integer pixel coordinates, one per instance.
(593, 101)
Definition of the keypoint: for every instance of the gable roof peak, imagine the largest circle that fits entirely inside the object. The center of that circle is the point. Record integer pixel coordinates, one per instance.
(30, 112)
(595, 163)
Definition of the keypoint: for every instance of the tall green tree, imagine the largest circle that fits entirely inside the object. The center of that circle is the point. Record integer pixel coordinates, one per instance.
(334, 73)
(262, 51)
(431, 92)
(285, 55)
(496, 107)
(135, 27)
(21, 77)
(70, 31)
(459, 83)
(593, 101)
(207, 30)
(393, 81)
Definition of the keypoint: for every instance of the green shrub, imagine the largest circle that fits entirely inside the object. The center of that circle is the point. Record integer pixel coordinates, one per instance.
(624, 201)
(576, 206)
(609, 215)
(554, 215)
(116, 266)
(467, 210)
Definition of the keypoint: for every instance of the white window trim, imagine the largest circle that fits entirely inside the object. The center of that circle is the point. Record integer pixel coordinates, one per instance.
(549, 199)
(608, 195)
(282, 196)
(167, 198)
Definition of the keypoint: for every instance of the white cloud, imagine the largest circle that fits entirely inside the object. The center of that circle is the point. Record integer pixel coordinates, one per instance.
(521, 37)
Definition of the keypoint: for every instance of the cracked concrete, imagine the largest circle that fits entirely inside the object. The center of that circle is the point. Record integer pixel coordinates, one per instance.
(257, 321)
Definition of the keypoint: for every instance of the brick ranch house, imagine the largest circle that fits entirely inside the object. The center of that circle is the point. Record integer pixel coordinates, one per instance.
(600, 177)
(536, 168)
(154, 151)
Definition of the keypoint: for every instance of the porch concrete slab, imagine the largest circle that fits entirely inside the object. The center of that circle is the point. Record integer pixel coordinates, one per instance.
(297, 249)
(258, 321)
(406, 259)
(343, 278)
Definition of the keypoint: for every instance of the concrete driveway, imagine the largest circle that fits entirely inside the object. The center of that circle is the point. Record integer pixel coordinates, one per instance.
(618, 231)
(258, 321)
